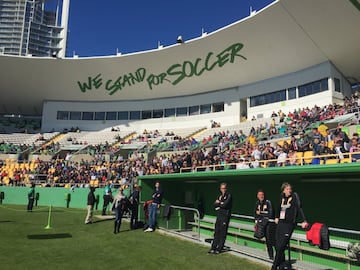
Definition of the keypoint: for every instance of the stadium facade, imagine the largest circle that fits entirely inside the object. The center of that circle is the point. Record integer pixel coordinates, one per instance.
(291, 54)
(27, 28)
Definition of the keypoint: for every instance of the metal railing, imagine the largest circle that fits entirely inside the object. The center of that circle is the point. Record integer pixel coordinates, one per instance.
(182, 220)
(295, 161)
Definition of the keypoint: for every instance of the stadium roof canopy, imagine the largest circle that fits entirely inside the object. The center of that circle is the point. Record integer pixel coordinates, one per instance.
(284, 37)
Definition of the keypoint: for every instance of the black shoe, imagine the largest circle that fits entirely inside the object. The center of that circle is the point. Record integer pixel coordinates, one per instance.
(211, 251)
(217, 252)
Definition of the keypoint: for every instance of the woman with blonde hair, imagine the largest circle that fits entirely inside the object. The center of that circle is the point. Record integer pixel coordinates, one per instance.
(118, 206)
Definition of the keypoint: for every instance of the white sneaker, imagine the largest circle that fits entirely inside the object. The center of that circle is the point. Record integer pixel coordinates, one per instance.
(149, 230)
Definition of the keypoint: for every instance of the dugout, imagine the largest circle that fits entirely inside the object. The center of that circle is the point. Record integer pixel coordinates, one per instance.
(328, 193)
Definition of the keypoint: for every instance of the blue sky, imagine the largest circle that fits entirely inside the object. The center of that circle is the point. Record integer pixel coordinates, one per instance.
(102, 27)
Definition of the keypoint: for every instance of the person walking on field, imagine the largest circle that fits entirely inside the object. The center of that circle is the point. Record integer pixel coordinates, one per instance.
(90, 205)
(31, 197)
(223, 205)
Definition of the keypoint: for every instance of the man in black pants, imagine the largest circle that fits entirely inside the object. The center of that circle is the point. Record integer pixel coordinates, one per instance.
(134, 199)
(285, 218)
(262, 213)
(223, 207)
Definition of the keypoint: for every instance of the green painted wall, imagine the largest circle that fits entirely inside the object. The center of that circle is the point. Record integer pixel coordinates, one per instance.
(328, 193)
(49, 196)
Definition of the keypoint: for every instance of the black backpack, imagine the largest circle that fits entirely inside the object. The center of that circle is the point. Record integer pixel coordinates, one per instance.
(260, 228)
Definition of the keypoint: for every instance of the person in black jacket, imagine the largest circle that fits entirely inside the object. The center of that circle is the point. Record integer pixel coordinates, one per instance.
(285, 218)
(262, 213)
(134, 199)
(155, 205)
(223, 207)
(90, 205)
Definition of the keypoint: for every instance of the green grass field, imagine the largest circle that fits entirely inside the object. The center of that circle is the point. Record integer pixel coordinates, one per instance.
(70, 244)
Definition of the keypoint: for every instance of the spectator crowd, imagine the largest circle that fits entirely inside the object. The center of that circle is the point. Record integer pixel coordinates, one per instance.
(267, 145)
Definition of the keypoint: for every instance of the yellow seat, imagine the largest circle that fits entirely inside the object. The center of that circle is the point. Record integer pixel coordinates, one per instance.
(308, 156)
(299, 156)
(345, 160)
(331, 161)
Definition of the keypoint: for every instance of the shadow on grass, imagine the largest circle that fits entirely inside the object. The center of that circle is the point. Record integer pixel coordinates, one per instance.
(102, 220)
(6, 221)
(49, 236)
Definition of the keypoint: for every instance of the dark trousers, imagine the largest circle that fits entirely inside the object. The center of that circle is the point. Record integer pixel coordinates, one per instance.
(283, 235)
(30, 204)
(221, 227)
(118, 217)
(107, 200)
(134, 216)
(270, 239)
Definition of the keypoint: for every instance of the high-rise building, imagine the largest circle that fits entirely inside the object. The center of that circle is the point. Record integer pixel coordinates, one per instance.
(28, 28)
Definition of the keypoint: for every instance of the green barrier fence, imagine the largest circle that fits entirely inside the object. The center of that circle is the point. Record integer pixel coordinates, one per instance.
(59, 197)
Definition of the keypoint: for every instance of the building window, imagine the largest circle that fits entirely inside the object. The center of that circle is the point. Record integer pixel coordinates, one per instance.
(337, 85)
(183, 111)
(194, 110)
(272, 97)
(75, 115)
(62, 115)
(146, 114)
(292, 93)
(302, 91)
(170, 112)
(324, 84)
(125, 115)
(218, 107)
(99, 115)
(313, 87)
(316, 87)
(134, 115)
(158, 113)
(88, 116)
(111, 115)
(205, 108)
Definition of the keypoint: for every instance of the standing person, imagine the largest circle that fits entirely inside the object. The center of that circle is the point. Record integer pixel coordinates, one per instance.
(134, 199)
(107, 198)
(90, 205)
(118, 206)
(263, 212)
(285, 218)
(223, 207)
(31, 197)
(155, 205)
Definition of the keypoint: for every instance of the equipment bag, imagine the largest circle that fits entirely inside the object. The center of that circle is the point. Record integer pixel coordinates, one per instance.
(318, 235)
(353, 251)
(260, 226)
